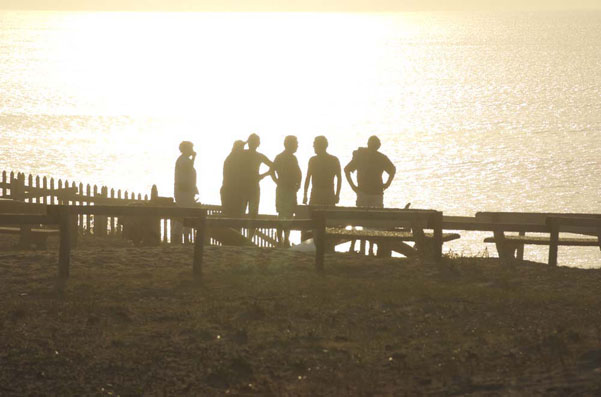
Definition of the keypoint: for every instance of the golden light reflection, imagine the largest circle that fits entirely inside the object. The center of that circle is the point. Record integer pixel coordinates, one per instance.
(223, 76)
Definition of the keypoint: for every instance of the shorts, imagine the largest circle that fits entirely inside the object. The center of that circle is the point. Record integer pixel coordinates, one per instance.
(370, 200)
(232, 202)
(322, 197)
(285, 202)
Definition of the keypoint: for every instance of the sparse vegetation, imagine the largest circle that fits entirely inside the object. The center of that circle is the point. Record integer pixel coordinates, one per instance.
(131, 321)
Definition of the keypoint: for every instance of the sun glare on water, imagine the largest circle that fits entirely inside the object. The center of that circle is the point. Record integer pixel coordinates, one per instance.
(225, 75)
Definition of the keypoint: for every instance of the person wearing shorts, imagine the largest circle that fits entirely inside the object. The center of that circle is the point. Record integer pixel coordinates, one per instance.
(287, 176)
(322, 170)
(370, 165)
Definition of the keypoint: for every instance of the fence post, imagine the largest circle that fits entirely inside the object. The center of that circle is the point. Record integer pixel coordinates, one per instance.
(101, 221)
(17, 187)
(64, 253)
(519, 254)
(17, 193)
(319, 238)
(553, 243)
(199, 241)
(437, 230)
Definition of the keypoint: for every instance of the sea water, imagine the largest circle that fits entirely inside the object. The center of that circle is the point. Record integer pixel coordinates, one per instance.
(479, 112)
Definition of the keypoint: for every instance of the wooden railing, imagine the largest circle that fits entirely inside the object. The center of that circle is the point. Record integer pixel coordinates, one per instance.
(44, 190)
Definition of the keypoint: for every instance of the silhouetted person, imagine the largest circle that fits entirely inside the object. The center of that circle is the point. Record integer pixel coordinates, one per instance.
(231, 191)
(184, 189)
(322, 169)
(287, 176)
(252, 160)
(370, 164)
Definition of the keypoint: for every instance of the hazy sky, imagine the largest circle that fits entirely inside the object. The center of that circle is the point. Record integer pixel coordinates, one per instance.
(297, 5)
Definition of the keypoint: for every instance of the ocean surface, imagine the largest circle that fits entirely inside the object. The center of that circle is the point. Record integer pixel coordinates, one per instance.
(478, 111)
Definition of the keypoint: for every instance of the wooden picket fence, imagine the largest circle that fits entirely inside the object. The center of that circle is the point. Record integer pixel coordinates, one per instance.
(44, 190)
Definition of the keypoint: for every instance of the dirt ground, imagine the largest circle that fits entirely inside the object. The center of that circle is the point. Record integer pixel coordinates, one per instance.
(131, 321)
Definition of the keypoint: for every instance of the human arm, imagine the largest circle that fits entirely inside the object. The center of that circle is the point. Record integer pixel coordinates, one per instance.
(299, 175)
(308, 180)
(391, 171)
(338, 181)
(350, 167)
(270, 171)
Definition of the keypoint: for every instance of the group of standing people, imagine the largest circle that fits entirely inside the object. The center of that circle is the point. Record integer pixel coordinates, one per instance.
(241, 191)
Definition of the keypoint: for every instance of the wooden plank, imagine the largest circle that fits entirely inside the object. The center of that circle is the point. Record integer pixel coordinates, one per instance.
(228, 236)
(294, 224)
(59, 187)
(546, 240)
(87, 202)
(17, 230)
(37, 184)
(8, 206)
(45, 187)
(357, 217)
(3, 185)
(528, 217)
(403, 249)
(52, 197)
(586, 222)
(384, 235)
(377, 223)
(484, 225)
(27, 219)
(111, 210)
(29, 186)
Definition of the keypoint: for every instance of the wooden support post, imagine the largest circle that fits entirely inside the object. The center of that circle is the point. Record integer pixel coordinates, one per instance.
(437, 240)
(64, 253)
(319, 237)
(503, 248)
(553, 244)
(519, 254)
(74, 231)
(420, 239)
(199, 242)
(384, 250)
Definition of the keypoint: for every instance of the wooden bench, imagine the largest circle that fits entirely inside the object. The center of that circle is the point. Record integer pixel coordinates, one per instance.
(30, 236)
(21, 224)
(384, 222)
(587, 225)
(388, 239)
(63, 216)
(511, 247)
(202, 224)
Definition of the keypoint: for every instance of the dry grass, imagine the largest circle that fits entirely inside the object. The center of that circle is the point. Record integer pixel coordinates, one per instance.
(131, 322)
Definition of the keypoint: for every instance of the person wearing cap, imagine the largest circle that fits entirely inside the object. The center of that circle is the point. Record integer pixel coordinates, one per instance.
(370, 165)
(323, 168)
